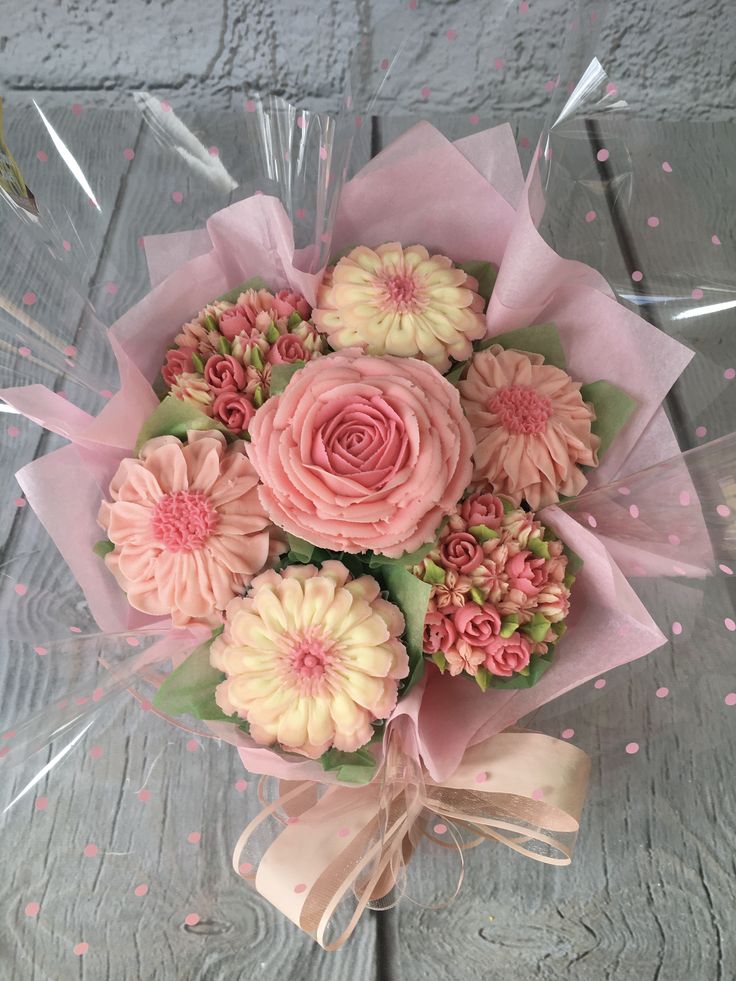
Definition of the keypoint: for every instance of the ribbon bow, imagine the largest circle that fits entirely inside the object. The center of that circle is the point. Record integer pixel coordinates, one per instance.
(334, 842)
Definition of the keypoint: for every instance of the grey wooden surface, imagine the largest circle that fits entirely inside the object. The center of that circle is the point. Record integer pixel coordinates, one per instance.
(650, 896)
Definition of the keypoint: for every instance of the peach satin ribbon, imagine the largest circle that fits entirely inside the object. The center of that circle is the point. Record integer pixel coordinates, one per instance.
(523, 789)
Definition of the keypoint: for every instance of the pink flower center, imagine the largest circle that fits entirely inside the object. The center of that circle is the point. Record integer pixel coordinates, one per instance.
(184, 521)
(309, 658)
(521, 408)
(401, 291)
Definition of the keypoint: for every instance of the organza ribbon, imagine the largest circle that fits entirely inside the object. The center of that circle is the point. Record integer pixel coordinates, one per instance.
(523, 789)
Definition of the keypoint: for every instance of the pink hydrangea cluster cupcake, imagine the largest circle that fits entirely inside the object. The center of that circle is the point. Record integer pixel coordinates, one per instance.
(500, 590)
(221, 360)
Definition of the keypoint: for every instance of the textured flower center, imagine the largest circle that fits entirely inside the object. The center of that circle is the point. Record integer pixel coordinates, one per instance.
(401, 292)
(310, 657)
(184, 521)
(521, 408)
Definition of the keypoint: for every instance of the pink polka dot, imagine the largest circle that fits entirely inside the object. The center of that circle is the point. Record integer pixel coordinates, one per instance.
(41, 803)
(70, 351)
(106, 393)
(632, 748)
(715, 240)
(323, 153)
(192, 745)
(726, 568)
(129, 153)
(412, 4)
(41, 651)
(97, 694)
(13, 431)
(241, 785)
(245, 867)
(677, 628)
(343, 832)
(77, 109)
(67, 246)
(194, 837)
(20, 588)
(729, 374)
(250, 105)
(474, 119)
(166, 105)
(662, 692)
(499, 64)
(550, 85)
(300, 213)
(723, 511)
(602, 155)
(567, 733)
(75, 630)
(32, 909)
(29, 298)
(214, 151)
(177, 197)
(96, 752)
(590, 216)
(301, 121)
(141, 890)
(611, 89)
(652, 221)
(592, 521)
(24, 352)
(599, 683)
(293, 819)
(678, 570)
(20, 502)
(440, 829)
(9, 734)
(192, 919)
(4, 750)
(144, 795)
(383, 64)
(42, 156)
(633, 511)
(666, 167)
(90, 851)
(730, 624)
(523, 7)
(425, 92)
(684, 498)
(300, 887)
(673, 539)
(730, 699)
(481, 777)
(111, 288)
(358, 121)
(80, 949)
(697, 294)
(451, 35)
(701, 431)
(537, 793)
(637, 275)
(145, 705)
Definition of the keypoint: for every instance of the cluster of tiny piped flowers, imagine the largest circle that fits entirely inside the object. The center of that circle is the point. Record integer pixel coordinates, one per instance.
(221, 361)
(500, 590)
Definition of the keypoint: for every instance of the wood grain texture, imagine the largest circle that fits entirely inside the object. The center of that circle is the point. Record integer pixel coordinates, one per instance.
(651, 893)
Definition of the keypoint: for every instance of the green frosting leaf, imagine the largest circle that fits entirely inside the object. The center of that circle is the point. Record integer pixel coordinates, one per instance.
(433, 573)
(537, 666)
(103, 547)
(300, 550)
(190, 689)
(224, 346)
(294, 320)
(509, 625)
(482, 533)
(174, 418)
(537, 628)
(357, 767)
(538, 547)
(281, 375)
(539, 339)
(483, 678)
(477, 595)
(255, 283)
(508, 506)
(411, 595)
(613, 408)
(272, 334)
(484, 272)
(198, 362)
(454, 375)
(440, 660)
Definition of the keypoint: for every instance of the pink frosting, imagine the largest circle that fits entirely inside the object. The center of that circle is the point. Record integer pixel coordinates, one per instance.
(439, 632)
(477, 625)
(224, 373)
(287, 349)
(505, 655)
(187, 525)
(362, 453)
(461, 552)
(482, 509)
(234, 409)
(527, 573)
(178, 361)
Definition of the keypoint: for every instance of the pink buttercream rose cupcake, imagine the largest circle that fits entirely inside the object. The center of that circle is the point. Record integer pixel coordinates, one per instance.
(187, 527)
(362, 453)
